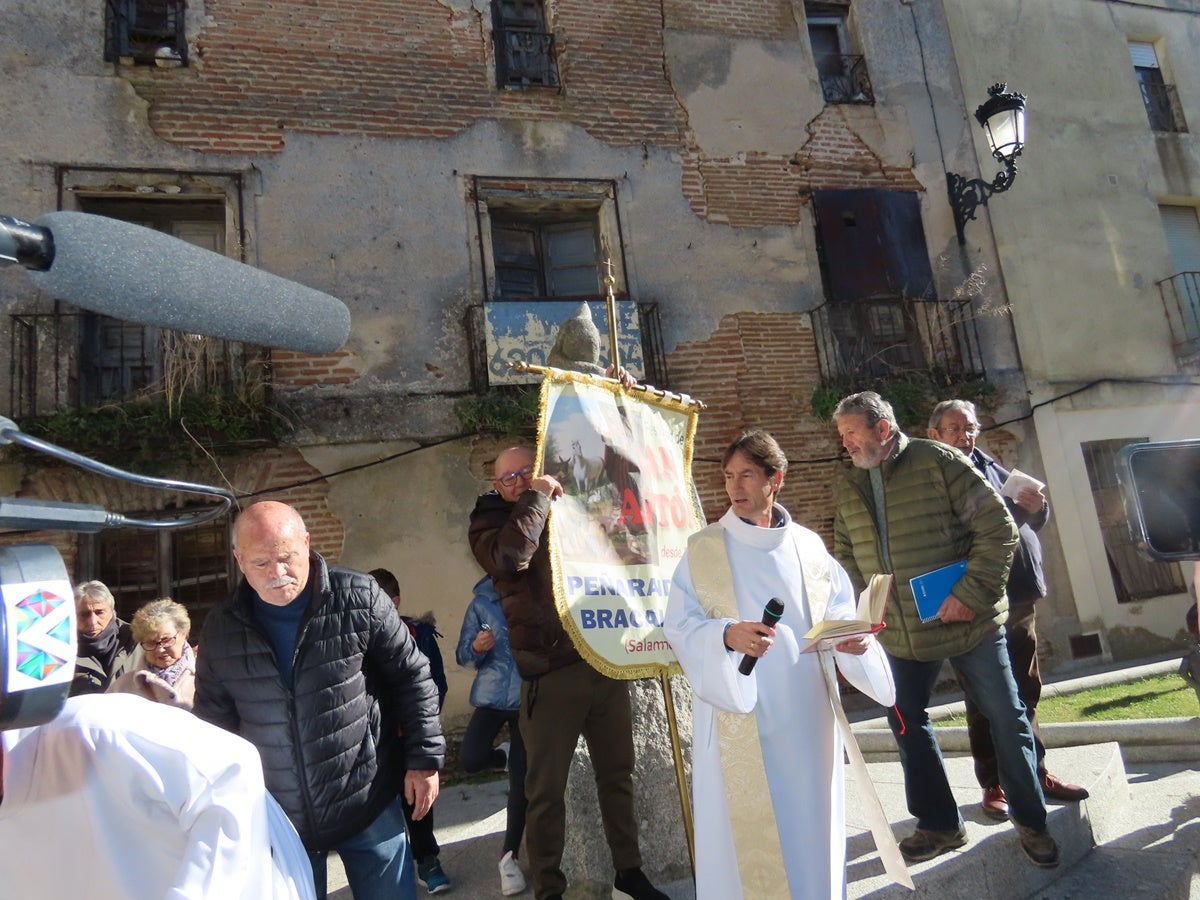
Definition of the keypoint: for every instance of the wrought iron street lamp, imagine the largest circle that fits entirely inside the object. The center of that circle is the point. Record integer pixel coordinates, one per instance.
(1003, 121)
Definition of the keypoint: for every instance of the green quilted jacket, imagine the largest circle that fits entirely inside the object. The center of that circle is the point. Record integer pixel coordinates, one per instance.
(939, 509)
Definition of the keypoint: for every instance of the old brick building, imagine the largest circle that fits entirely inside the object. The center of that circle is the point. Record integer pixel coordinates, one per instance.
(766, 177)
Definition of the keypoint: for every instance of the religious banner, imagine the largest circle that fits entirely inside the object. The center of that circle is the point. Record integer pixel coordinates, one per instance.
(624, 459)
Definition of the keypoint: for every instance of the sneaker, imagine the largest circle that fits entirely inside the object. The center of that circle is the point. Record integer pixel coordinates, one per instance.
(512, 879)
(925, 843)
(1038, 845)
(431, 876)
(995, 804)
(1055, 789)
(632, 884)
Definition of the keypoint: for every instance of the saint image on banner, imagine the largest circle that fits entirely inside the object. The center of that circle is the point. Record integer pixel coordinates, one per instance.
(624, 460)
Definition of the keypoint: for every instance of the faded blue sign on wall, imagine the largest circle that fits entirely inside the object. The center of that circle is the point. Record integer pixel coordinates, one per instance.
(524, 331)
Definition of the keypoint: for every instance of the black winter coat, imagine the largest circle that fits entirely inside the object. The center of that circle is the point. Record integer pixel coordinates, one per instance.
(330, 746)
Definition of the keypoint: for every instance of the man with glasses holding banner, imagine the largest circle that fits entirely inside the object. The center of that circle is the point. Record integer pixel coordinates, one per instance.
(562, 697)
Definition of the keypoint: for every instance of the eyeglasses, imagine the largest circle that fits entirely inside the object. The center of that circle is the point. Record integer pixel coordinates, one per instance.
(161, 643)
(970, 430)
(511, 478)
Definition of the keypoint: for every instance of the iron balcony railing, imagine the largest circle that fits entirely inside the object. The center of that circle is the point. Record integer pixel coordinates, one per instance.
(80, 360)
(149, 32)
(1163, 107)
(844, 79)
(1181, 299)
(525, 58)
(891, 337)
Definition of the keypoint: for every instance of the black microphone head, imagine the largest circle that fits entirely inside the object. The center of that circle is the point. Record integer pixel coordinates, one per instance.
(141, 275)
(773, 611)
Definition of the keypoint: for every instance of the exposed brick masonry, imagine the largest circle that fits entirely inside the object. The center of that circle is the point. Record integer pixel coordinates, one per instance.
(759, 189)
(417, 69)
(758, 370)
(769, 19)
(403, 69)
(270, 476)
(296, 370)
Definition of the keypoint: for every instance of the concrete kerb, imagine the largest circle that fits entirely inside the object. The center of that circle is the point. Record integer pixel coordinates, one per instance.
(1141, 740)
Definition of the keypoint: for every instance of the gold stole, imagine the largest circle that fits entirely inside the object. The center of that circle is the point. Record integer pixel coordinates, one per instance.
(751, 812)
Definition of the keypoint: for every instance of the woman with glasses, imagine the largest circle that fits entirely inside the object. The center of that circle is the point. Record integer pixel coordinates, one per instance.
(166, 671)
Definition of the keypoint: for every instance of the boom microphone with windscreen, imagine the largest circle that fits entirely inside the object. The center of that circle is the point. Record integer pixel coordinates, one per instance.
(141, 275)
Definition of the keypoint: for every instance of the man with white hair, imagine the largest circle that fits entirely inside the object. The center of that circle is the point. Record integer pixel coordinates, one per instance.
(106, 644)
(956, 423)
(311, 664)
(911, 507)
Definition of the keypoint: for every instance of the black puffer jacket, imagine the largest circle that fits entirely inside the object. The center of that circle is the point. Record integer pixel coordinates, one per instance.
(330, 747)
(506, 539)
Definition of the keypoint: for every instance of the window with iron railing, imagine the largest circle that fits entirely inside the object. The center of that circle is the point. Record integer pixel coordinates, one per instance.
(1161, 101)
(844, 78)
(1181, 300)
(145, 32)
(524, 46)
(895, 337)
(69, 359)
(78, 360)
(193, 566)
(1163, 107)
(545, 247)
(882, 317)
(843, 75)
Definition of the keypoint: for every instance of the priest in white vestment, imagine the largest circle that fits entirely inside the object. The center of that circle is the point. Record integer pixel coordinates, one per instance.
(120, 797)
(767, 766)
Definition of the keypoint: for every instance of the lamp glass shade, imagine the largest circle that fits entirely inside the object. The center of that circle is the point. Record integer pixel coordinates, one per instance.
(1005, 131)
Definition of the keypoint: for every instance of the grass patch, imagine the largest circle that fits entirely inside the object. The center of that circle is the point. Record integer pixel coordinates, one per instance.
(1157, 697)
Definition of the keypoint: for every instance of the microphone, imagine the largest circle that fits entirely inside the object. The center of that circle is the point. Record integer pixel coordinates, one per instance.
(771, 615)
(141, 275)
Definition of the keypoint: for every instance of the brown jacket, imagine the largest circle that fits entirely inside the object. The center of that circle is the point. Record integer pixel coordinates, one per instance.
(506, 539)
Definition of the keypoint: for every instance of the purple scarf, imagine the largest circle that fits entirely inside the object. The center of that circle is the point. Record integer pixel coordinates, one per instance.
(171, 673)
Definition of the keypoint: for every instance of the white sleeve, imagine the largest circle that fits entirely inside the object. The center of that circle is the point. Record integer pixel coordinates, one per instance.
(870, 673)
(699, 645)
(202, 786)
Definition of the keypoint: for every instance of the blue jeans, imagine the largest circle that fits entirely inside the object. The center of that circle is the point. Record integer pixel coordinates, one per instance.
(984, 671)
(377, 862)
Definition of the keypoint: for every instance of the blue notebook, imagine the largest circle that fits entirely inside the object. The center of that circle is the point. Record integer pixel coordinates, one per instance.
(931, 589)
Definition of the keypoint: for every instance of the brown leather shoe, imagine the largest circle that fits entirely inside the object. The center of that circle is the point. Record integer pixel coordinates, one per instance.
(1060, 790)
(995, 804)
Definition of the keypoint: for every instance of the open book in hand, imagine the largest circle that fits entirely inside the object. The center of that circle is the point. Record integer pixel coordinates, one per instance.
(1018, 481)
(868, 617)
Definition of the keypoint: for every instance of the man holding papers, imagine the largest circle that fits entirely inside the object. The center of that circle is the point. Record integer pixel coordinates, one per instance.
(767, 754)
(955, 422)
(910, 507)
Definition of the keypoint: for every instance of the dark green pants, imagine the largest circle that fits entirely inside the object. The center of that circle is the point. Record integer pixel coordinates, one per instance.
(556, 710)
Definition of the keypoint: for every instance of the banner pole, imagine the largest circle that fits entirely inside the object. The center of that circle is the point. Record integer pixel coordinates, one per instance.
(680, 776)
(523, 367)
(610, 301)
